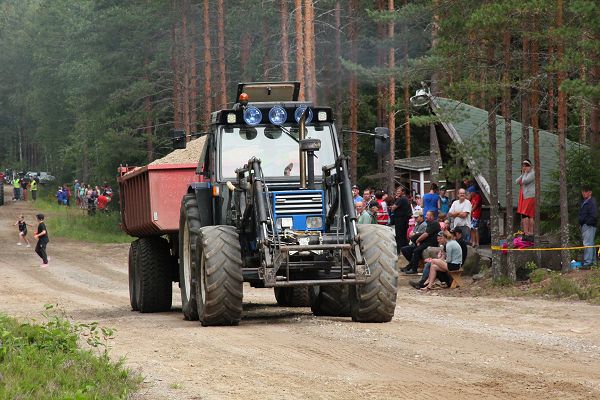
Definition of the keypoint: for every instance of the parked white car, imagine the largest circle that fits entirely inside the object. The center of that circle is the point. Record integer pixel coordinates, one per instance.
(43, 177)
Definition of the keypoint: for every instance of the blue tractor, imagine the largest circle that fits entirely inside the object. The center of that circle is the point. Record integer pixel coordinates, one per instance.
(275, 209)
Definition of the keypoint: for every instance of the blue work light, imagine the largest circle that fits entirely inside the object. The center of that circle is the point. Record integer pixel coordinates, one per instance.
(252, 116)
(298, 114)
(277, 115)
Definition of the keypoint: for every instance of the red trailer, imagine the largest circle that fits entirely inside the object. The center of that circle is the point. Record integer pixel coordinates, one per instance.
(150, 197)
(150, 203)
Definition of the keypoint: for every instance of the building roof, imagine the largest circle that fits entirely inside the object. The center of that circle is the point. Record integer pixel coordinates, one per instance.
(421, 163)
(467, 124)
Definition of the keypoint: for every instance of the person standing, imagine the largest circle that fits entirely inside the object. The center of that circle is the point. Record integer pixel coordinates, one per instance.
(475, 199)
(444, 201)
(402, 213)
(382, 213)
(33, 188)
(363, 215)
(431, 200)
(355, 194)
(16, 188)
(588, 221)
(460, 211)
(42, 236)
(526, 205)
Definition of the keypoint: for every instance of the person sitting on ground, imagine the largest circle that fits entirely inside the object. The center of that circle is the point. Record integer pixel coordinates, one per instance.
(452, 260)
(428, 238)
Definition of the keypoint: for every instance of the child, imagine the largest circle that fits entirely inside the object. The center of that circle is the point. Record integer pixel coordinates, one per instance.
(22, 231)
(42, 237)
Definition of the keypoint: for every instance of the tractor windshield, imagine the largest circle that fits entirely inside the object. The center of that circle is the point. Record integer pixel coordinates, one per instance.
(276, 146)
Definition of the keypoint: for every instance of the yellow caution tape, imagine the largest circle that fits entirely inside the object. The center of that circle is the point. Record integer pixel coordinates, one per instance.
(499, 248)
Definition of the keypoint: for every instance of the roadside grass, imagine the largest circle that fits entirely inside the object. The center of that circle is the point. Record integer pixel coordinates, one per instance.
(574, 285)
(46, 361)
(74, 223)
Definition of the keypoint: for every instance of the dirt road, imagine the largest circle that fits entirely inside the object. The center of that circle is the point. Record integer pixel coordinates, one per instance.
(436, 347)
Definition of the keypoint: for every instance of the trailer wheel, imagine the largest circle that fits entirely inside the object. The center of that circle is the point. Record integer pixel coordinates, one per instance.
(133, 256)
(330, 300)
(152, 276)
(219, 266)
(296, 296)
(375, 300)
(189, 226)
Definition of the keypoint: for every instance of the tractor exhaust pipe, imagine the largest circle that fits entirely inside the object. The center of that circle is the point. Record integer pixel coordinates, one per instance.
(302, 155)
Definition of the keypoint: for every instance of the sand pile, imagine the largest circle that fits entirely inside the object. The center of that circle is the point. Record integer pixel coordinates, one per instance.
(191, 154)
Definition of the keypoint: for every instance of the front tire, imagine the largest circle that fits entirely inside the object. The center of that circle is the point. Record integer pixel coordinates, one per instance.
(219, 291)
(153, 282)
(189, 226)
(375, 300)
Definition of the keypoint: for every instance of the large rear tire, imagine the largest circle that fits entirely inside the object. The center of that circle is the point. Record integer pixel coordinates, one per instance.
(153, 281)
(219, 267)
(375, 300)
(295, 296)
(189, 226)
(330, 300)
(133, 260)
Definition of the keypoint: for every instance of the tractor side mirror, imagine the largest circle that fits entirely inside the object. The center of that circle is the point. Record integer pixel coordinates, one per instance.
(382, 140)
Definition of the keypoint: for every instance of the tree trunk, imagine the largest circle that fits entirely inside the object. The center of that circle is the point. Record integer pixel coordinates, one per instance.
(493, 163)
(186, 70)
(525, 102)
(535, 124)
(595, 111)
(506, 98)
(285, 48)
(207, 66)
(299, 47)
(339, 110)
(309, 51)
(434, 147)
(175, 67)
(353, 90)
(562, 146)
(392, 102)
(193, 75)
(582, 109)
(246, 44)
(221, 55)
(551, 96)
(406, 92)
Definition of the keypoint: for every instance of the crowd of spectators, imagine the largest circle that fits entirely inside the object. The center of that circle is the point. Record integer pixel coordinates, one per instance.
(87, 197)
(419, 222)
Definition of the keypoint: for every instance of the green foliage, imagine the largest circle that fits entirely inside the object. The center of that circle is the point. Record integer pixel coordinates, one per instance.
(43, 361)
(582, 168)
(538, 275)
(74, 223)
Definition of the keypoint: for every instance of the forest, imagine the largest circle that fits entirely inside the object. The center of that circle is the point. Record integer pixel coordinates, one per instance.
(87, 85)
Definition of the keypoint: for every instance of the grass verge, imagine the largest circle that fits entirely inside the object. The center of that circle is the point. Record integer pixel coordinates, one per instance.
(44, 361)
(74, 223)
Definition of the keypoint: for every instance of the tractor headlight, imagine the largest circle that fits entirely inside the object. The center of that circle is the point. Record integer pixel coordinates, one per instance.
(284, 223)
(314, 222)
(231, 119)
(277, 115)
(252, 116)
(298, 114)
